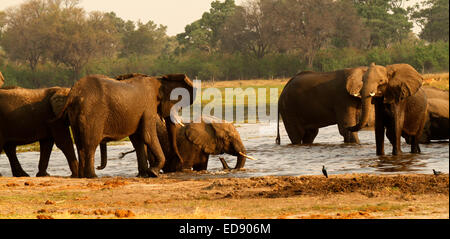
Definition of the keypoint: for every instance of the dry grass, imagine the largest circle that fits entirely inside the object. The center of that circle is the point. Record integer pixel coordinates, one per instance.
(340, 196)
(438, 80)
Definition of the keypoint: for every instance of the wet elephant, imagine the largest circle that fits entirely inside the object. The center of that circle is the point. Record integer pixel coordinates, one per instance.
(312, 100)
(25, 116)
(197, 141)
(101, 109)
(400, 105)
(437, 121)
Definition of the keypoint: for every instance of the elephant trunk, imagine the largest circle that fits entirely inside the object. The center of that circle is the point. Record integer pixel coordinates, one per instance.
(366, 107)
(172, 130)
(240, 161)
(103, 156)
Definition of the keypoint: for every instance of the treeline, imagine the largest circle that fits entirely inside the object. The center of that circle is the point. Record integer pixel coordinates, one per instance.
(56, 42)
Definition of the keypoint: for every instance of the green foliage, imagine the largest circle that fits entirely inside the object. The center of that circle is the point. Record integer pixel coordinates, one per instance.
(229, 42)
(433, 17)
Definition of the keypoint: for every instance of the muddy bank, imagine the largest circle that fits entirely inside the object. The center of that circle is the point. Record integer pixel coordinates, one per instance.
(344, 196)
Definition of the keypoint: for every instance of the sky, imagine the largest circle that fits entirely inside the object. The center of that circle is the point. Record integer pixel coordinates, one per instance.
(175, 14)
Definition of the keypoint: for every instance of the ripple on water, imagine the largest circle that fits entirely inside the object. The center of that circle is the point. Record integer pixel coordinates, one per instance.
(280, 160)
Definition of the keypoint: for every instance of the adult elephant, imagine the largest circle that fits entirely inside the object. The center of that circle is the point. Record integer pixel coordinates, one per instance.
(101, 109)
(312, 100)
(437, 120)
(400, 105)
(25, 116)
(197, 141)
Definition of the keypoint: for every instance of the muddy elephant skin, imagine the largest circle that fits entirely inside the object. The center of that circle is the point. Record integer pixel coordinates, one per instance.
(25, 118)
(101, 109)
(313, 100)
(400, 105)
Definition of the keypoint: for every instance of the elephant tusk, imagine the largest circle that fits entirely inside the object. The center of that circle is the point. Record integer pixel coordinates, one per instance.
(242, 154)
(356, 95)
(372, 94)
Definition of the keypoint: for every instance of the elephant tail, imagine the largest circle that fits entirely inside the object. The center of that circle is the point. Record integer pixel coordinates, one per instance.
(278, 140)
(62, 111)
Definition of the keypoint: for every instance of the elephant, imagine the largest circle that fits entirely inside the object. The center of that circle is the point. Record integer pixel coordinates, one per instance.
(197, 141)
(312, 100)
(400, 105)
(101, 109)
(437, 120)
(25, 116)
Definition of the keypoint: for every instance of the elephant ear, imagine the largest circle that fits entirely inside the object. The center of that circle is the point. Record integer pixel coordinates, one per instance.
(354, 80)
(404, 81)
(2, 80)
(168, 84)
(58, 100)
(203, 136)
(212, 135)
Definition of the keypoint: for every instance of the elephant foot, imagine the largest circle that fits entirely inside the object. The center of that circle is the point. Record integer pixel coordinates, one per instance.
(142, 175)
(42, 174)
(20, 174)
(153, 172)
(91, 175)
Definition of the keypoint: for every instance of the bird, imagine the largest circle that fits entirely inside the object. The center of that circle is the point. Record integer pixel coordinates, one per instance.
(436, 172)
(324, 171)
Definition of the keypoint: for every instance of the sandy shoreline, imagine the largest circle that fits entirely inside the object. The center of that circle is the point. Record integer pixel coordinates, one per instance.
(341, 196)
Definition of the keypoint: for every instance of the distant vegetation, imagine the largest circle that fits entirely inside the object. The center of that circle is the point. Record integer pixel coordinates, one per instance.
(56, 42)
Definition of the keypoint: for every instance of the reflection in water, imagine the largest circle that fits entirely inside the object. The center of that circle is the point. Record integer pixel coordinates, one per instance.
(273, 159)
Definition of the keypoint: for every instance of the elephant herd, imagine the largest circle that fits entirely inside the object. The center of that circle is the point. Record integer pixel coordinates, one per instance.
(99, 109)
(402, 107)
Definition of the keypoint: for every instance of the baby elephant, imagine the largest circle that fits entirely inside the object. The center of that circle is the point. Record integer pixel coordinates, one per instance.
(197, 141)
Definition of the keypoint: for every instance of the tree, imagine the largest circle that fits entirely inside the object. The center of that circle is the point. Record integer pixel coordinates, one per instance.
(386, 20)
(433, 18)
(204, 34)
(146, 39)
(250, 29)
(26, 38)
(77, 38)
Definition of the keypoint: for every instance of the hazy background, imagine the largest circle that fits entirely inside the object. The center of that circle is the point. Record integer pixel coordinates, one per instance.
(175, 14)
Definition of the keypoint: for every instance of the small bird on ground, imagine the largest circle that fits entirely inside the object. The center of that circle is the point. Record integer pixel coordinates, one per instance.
(436, 172)
(324, 171)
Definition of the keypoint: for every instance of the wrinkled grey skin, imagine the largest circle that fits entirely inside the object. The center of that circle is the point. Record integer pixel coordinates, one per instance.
(437, 121)
(101, 109)
(312, 100)
(26, 117)
(400, 105)
(197, 141)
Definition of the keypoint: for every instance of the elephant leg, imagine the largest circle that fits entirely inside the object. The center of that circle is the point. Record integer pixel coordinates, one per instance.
(63, 141)
(415, 148)
(294, 129)
(202, 164)
(345, 119)
(379, 126)
(141, 155)
(310, 135)
(46, 147)
(151, 141)
(398, 127)
(16, 168)
(87, 154)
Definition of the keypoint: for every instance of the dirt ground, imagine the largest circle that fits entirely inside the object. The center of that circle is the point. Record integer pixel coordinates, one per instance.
(303, 197)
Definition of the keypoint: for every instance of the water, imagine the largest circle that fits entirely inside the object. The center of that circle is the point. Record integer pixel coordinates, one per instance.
(273, 159)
